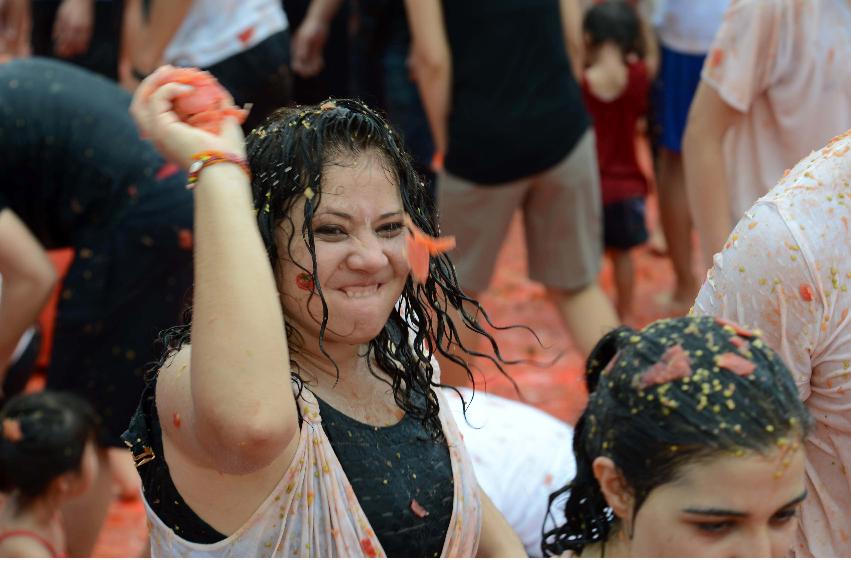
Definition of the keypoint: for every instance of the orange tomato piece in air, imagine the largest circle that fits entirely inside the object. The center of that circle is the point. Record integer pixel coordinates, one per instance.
(422, 247)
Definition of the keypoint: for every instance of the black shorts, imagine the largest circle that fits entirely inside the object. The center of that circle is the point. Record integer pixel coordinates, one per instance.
(623, 224)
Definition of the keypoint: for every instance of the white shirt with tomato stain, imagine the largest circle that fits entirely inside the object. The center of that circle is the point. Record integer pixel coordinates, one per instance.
(786, 270)
(214, 30)
(785, 65)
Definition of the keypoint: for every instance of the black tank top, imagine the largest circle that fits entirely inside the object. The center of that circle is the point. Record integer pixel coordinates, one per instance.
(407, 473)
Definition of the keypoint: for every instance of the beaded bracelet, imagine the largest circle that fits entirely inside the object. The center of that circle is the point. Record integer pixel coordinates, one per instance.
(211, 157)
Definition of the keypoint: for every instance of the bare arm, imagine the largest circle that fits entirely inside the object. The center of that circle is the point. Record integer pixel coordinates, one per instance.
(432, 65)
(309, 39)
(28, 278)
(238, 406)
(498, 539)
(651, 48)
(571, 23)
(706, 170)
(164, 19)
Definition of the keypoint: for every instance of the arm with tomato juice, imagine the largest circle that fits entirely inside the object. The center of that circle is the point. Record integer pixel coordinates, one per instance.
(706, 168)
(431, 63)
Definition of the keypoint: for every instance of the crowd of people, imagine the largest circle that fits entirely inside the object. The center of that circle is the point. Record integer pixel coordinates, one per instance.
(272, 331)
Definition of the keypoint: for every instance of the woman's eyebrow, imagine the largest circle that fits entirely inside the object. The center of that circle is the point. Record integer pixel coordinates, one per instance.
(718, 512)
(714, 512)
(345, 215)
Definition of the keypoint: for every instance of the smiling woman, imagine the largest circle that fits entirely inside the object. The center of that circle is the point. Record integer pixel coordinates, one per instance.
(690, 447)
(306, 418)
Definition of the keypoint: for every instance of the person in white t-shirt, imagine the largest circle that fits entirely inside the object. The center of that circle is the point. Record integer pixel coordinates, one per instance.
(243, 43)
(520, 454)
(775, 86)
(786, 270)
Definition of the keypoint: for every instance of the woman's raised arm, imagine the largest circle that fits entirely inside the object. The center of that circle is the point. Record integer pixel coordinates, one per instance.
(234, 401)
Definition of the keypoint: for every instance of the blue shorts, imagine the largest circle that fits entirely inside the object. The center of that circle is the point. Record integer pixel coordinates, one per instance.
(623, 224)
(677, 83)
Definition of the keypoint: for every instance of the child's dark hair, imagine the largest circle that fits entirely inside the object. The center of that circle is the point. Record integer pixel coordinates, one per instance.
(614, 21)
(677, 392)
(288, 154)
(44, 435)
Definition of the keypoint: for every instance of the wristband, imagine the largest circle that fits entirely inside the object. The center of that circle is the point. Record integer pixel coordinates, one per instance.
(207, 158)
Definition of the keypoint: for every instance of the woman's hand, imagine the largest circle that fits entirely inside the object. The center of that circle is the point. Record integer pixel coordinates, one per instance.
(177, 141)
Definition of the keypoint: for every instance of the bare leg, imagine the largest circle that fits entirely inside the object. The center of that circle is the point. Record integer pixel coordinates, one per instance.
(677, 225)
(624, 281)
(84, 516)
(588, 315)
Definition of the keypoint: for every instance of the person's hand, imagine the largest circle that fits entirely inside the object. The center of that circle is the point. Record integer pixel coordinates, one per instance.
(14, 24)
(72, 31)
(176, 141)
(307, 46)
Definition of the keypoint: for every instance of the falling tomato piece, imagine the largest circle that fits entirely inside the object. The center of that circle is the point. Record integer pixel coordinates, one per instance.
(806, 292)
(418, 509)
(421, 247)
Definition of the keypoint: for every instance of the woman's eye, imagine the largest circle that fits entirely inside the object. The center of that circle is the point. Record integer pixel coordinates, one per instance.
(329, 230)
(783, 517)
(715, 528)
(391, 229)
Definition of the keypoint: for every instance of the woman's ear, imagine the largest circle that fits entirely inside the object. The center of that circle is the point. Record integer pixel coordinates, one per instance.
(615, 489)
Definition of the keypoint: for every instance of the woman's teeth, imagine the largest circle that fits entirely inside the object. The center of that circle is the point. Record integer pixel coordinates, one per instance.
(361, 292)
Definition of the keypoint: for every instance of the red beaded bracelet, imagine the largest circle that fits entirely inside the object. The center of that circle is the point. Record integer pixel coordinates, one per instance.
(206, 158)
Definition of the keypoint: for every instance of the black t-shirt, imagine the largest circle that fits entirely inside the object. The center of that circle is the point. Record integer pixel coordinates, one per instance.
(70, 153)
(516, 107)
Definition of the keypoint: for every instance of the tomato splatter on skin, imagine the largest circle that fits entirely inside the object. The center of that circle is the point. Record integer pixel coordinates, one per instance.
(175, 419)
(304, 281)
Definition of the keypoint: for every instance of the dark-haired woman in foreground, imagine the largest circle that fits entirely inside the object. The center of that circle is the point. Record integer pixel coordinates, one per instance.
(48, 455)
(690, 446)
(298, 319)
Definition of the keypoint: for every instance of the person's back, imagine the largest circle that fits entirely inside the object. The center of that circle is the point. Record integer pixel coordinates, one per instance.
(69, 147)
(516, 106)
(785, 270)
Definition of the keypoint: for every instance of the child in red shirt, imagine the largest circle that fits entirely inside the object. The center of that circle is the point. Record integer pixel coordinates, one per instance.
(615, 85)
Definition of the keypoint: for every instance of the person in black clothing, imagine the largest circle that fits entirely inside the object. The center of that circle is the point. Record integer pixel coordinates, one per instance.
(77, 175)
(507, 117)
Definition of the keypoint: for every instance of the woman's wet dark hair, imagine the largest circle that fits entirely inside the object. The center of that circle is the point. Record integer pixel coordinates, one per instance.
(44, 436)
(680, 391)
(616, 21)
(288, 154)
